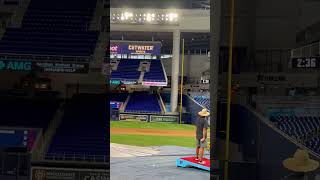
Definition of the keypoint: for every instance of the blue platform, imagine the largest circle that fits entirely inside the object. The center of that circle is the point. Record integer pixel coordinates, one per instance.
(191, 162)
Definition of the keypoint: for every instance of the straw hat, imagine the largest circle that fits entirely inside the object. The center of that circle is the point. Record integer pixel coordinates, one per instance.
(301, 162)
(204, 112)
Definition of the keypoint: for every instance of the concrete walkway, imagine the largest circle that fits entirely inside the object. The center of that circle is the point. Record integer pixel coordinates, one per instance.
(151, 163)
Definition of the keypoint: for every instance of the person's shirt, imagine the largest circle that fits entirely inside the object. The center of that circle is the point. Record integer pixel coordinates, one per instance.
(201, 123)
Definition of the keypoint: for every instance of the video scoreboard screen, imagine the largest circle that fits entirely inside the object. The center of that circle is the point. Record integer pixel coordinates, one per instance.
(10, 138)
(115, 105)
(310, 62)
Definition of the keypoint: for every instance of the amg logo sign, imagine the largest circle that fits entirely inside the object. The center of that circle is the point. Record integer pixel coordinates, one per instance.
(16, 65)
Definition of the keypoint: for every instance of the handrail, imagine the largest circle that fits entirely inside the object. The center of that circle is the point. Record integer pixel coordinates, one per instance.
(298, 52)
(162, 104)
(76, 157)
(192, 99)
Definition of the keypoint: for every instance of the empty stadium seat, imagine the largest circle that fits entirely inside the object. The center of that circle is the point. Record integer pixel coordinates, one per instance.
(298, 127)
(202, 98)
(155, 73)
(127, 70)
(83, 132)
(142, 102)
(53, 27)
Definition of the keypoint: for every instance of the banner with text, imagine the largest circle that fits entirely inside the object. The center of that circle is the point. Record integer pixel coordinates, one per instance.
(50, 67)
(136, 48)
(133, 117)
(41, 173)
(164, 118)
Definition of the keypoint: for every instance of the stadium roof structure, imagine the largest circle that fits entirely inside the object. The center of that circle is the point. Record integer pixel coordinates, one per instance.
(203, 4)
(193, 41)
(163, 4)
(144, 24)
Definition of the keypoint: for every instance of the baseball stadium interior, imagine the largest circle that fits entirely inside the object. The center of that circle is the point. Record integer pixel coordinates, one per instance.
(75, 74)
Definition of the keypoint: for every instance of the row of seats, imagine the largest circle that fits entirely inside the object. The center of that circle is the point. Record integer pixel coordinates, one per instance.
(201, 98)
(143, 102)
(83, 132)
(299, 127)
(156, 72)
(128, 70)
(53, 27)
(314, 144)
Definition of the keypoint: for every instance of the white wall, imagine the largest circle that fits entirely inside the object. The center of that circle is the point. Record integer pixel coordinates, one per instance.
(193, 67)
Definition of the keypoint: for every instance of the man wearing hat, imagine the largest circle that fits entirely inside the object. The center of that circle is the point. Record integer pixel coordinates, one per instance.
(201, 134)
(300, 164)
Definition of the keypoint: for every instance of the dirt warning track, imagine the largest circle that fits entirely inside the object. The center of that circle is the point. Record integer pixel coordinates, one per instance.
(155, 132)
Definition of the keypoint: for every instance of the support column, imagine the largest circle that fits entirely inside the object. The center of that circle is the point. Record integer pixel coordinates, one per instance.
(214, 68)
(175, 70)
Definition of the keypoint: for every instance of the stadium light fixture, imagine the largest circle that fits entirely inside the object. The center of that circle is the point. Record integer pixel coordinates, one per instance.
(145, 17)
(149, 17)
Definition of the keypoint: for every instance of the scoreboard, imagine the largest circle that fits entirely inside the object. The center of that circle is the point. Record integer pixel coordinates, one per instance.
(12, 138)
(115, 105)
(306, 62)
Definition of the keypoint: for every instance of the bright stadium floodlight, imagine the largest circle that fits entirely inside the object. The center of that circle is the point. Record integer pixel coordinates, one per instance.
(128, 15)
(173, 16)
(149, 17)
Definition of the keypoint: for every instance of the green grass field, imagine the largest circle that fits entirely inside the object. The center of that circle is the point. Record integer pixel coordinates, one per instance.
(152, 140)
(153, 125)
(142, 140)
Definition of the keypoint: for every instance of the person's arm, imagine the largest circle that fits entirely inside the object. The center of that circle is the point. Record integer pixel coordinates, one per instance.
(204, 131)
(204, 136)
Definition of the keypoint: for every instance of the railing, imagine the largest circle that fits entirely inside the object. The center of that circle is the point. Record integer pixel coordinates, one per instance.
(77, 157)
(310, 50)
(47, 137)
(195, 51)
(142, 112)
(37, 147)
(14, 164)
(289, 99)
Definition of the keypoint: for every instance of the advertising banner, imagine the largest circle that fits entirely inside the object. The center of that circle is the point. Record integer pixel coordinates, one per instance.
(133, 117)
(164, 118)
(52, 67)
(136, 48)
(310, 62)
(147, 83)
(17, 137)
(55, 67)
(40, 173)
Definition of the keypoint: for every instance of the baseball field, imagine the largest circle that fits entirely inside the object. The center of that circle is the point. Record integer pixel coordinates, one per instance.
(152, 134)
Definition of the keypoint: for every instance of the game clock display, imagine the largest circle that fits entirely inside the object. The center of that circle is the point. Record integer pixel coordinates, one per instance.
(311, 62)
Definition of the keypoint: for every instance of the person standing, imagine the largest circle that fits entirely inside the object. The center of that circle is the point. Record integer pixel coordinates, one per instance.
(201, 134)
